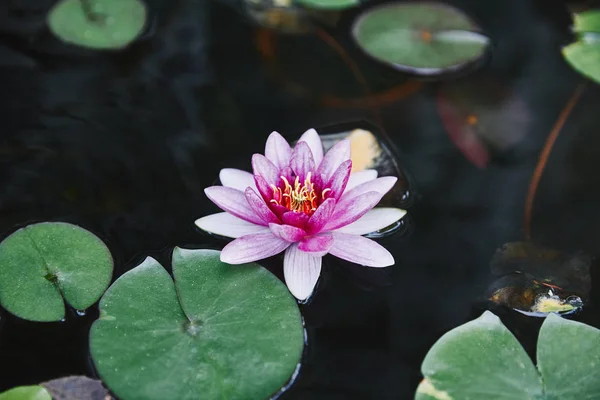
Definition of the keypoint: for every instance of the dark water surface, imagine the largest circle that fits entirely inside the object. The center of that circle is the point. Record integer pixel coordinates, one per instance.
(124, 144)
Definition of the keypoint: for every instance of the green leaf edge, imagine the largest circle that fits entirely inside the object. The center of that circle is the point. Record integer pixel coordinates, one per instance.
(33, 392)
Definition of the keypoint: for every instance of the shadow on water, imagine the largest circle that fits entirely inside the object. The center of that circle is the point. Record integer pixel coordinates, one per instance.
(124, 144)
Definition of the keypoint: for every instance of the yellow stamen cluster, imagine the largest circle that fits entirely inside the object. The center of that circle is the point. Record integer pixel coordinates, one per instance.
(300, 197)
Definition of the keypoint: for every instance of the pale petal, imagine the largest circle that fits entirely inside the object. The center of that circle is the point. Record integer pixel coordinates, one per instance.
(259, 206)
(339, 153)
(321, 216)
(356, 178)
(236, 178)
(228, 225)
(381, 185)
(301, 272)
(287, 232)
(360, 250)
(312, 138)
(374, 220)
(234, 202)
(265, 168)
(278, 150)
(317, 245)
(352, 210)
(302, 160)
(253, 247)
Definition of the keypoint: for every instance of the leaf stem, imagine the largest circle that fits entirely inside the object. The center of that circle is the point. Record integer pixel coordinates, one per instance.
(545, 154)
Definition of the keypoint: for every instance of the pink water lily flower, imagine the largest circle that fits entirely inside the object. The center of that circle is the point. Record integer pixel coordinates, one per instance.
(304, 203)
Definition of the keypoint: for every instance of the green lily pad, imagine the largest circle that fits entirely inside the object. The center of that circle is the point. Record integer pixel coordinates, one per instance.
(218, 332)
(584, 54)
(329, 4)
(98, 24)
(26, 393)
(568, 355)
(420, 38)
(482, 359)
(43, 263)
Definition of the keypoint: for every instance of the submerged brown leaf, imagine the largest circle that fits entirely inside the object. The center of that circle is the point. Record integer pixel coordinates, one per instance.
(77, 388)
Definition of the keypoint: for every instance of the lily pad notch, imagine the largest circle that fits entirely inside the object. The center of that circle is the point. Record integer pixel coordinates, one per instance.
(482, 357)
(45, 264)
(421, 38)
(214, 331)
(98, 24)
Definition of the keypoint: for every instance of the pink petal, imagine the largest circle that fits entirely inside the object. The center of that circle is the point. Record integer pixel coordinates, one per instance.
(356, 178)
(297, 219)
(253, 247)
(373, 220)
(259, 207)
(352, 210)
(263, 187)
(225, 224)
(311, 137)
(234, 202)
(302, 160)
(236, 178)
(265, 168)
(339, 179)
(360, 250)
(287, 232)
(380, 185)
(317, 245)
(321, 216)
(278, 150)
(339, 153)
(301, 272)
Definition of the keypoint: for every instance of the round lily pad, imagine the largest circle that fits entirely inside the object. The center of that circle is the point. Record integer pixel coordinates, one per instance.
(98, 24)
(568, 355)
(26, 393)
(329, 4)
(584, 54)
(421, 38)
(218, 332)
(482, 359)
(43, 263)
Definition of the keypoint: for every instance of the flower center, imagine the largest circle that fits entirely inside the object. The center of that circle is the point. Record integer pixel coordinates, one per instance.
(301, 197)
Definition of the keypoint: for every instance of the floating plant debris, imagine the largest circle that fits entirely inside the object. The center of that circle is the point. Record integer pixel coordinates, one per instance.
(483, 356)
(421, 38)
(584, 54)
(43, 265)
(215, 331)
(536, 281)
(481, 114)
(98, 24)
(76, 388)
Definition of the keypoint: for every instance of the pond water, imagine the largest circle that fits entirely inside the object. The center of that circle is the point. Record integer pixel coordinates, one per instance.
(124, 144)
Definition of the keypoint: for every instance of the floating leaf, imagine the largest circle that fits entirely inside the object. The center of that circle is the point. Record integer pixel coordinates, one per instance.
(98, 24)
(421, 38)
(76, 388)
(218, 331)
(568, 354)
(584, 54)
(482, 359)
(535, 280)
(26, 393)
(42, 263)
(368, 151)
(329, 4)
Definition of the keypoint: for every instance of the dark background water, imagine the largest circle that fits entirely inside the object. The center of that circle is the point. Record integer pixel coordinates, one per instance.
(123, 144)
